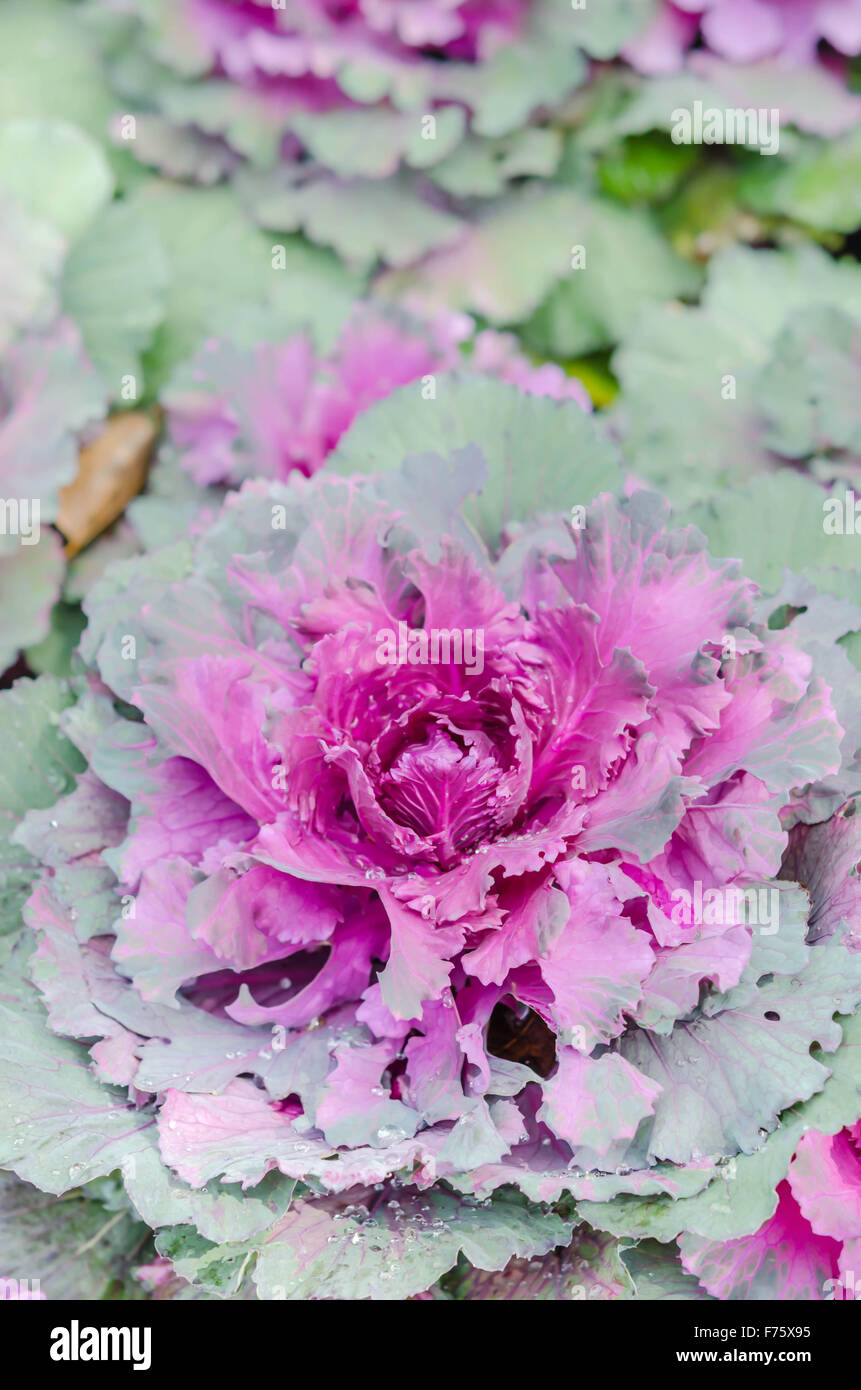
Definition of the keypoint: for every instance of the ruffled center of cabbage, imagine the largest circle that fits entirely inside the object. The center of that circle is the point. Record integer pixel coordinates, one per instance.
(444, 788)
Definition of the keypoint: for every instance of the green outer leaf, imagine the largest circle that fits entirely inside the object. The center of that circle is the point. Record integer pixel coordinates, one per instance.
(54, 652)
(56, 172)
(30, 579)
(808, 392)
(217, 1269)
(657, 1273)
(319, 1250)
(39, 765)
(629, 266)
(518, 259)
(645, 168)
(690, 407)
(543, 455)
(726, 1078)
(31, 258)
(370, 143)
(589, 1269)
(743, 1197)
(502, 265)
(504, 91)
(51, 66)
(482, 168)
(407, 1249)
(225, 275)
(220, 1212)
(60, 1127)
(214, 255)
(364, 221)
(74, 1247)
(820, 185)
(114, 286)
(775, 521)
(602, 29)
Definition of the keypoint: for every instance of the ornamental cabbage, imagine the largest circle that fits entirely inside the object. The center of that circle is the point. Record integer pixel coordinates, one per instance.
(745, 31)
(355, 88)
(432, 877)
(236, 412)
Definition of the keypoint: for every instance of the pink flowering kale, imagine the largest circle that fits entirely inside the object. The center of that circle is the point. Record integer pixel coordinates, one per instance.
(235, 413)
(745, 31)
(440, 850)
(312, 39)
(784, 55)
(358, 90)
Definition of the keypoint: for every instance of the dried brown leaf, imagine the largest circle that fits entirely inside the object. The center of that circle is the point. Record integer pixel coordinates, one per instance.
(112, 470)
